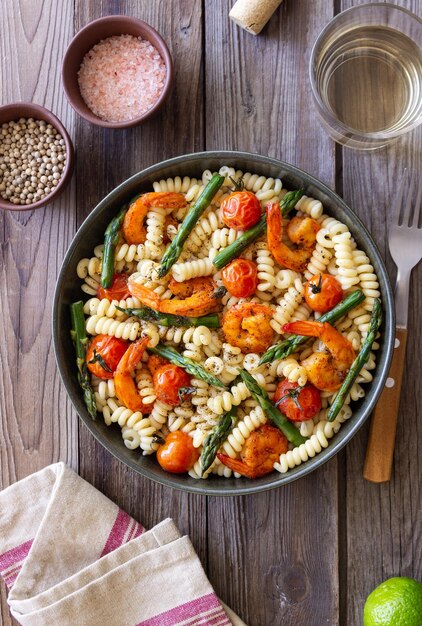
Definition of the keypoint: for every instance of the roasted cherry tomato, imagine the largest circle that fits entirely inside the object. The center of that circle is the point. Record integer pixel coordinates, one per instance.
(118, 289)
(241, 210)
(323, 292)
(103, 355)
(177, 454)
(240, 277)
(168, 381)
(297, 403)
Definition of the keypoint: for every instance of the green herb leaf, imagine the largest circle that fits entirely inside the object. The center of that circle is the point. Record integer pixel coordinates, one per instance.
(185, 391)
(97, 358)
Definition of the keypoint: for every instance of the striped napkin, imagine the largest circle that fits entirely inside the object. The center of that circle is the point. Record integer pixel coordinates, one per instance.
(69, 555)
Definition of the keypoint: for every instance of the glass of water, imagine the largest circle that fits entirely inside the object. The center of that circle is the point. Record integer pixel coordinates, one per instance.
(366, 75)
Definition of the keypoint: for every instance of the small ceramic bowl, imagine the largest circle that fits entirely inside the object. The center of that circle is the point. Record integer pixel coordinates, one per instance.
(13, 112)
(86, 39)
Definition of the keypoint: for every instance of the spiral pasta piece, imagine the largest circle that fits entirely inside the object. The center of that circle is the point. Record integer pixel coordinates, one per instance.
(199, 336)
(174, 185)
(214, 346)
(155, 233)
(195, 189)
(303, 312)
(330, 227)
(193, 352)
(343, 252)
(321, 257)
(145, 385)
(223, 237)
(287, 306)
(159, 413)
(310, 206)
(233, 358)
(224, 401)
(367, 278)
(265, 266)
(192, 269)
(130, 253)
(203, 230)
(251, 363)
(285, 279)
(131, 438)
(292, 370)
(108, 308)
(202, 392)
(89, 267)
(113, 411)
(105, 389)
(329, 429)
(264, 188)
(312, 446)
(214, 365)
(129, 329)
(360, 318)
(90, 271)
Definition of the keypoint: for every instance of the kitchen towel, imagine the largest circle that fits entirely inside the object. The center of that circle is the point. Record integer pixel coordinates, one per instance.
(70, 556)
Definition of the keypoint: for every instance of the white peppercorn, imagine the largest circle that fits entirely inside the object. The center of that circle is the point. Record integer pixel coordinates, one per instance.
(29, 150)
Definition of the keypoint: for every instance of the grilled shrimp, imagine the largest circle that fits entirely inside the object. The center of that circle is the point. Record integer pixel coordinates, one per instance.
(155, 362)
(247, 326)
(199, 298)
(124, 384)
(300, 230)
(325, 371)
(261, 450)
(133, 228)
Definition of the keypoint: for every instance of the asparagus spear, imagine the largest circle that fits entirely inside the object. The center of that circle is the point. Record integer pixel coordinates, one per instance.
(190, 366)
(175, 248)
(215, 439)
(358, 363)
(236, 248)
(167, 319)
(111, 237)
(80, 340)
(272, 412)
(284, 348)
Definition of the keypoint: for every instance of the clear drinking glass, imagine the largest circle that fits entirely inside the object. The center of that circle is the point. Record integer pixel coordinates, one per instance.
(366, 75)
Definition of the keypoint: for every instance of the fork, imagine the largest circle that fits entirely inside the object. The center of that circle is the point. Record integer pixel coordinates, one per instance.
(405, 243)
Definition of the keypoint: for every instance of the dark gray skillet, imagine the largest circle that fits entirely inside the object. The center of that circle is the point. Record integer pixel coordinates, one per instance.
(91, 233)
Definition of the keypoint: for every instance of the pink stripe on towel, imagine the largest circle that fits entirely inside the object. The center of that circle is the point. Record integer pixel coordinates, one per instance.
(15, 555)
(190, 610)
(117, 534)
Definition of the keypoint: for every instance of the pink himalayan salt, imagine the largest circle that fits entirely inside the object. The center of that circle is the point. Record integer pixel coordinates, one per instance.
(121, 77)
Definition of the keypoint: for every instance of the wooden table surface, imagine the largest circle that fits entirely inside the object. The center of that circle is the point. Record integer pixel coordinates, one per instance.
(303, 555)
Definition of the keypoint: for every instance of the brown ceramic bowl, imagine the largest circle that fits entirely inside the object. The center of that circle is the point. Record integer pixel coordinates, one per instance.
(92, 34)
(13, 112)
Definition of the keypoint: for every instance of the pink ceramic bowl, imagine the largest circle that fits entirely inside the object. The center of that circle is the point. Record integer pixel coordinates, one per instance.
(92, 34)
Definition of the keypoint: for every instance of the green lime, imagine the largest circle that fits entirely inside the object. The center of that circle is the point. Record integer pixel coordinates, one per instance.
(395, 602)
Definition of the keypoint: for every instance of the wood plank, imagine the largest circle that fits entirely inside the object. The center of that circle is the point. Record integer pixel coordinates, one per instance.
(384, 524)
(105, 158)
(269, 553)
(383, 521)
(37, 426)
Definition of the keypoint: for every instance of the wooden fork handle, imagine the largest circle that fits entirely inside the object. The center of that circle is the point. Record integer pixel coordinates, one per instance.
(382, 434)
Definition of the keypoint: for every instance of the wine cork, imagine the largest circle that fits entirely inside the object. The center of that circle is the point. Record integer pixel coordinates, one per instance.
(252, 15)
